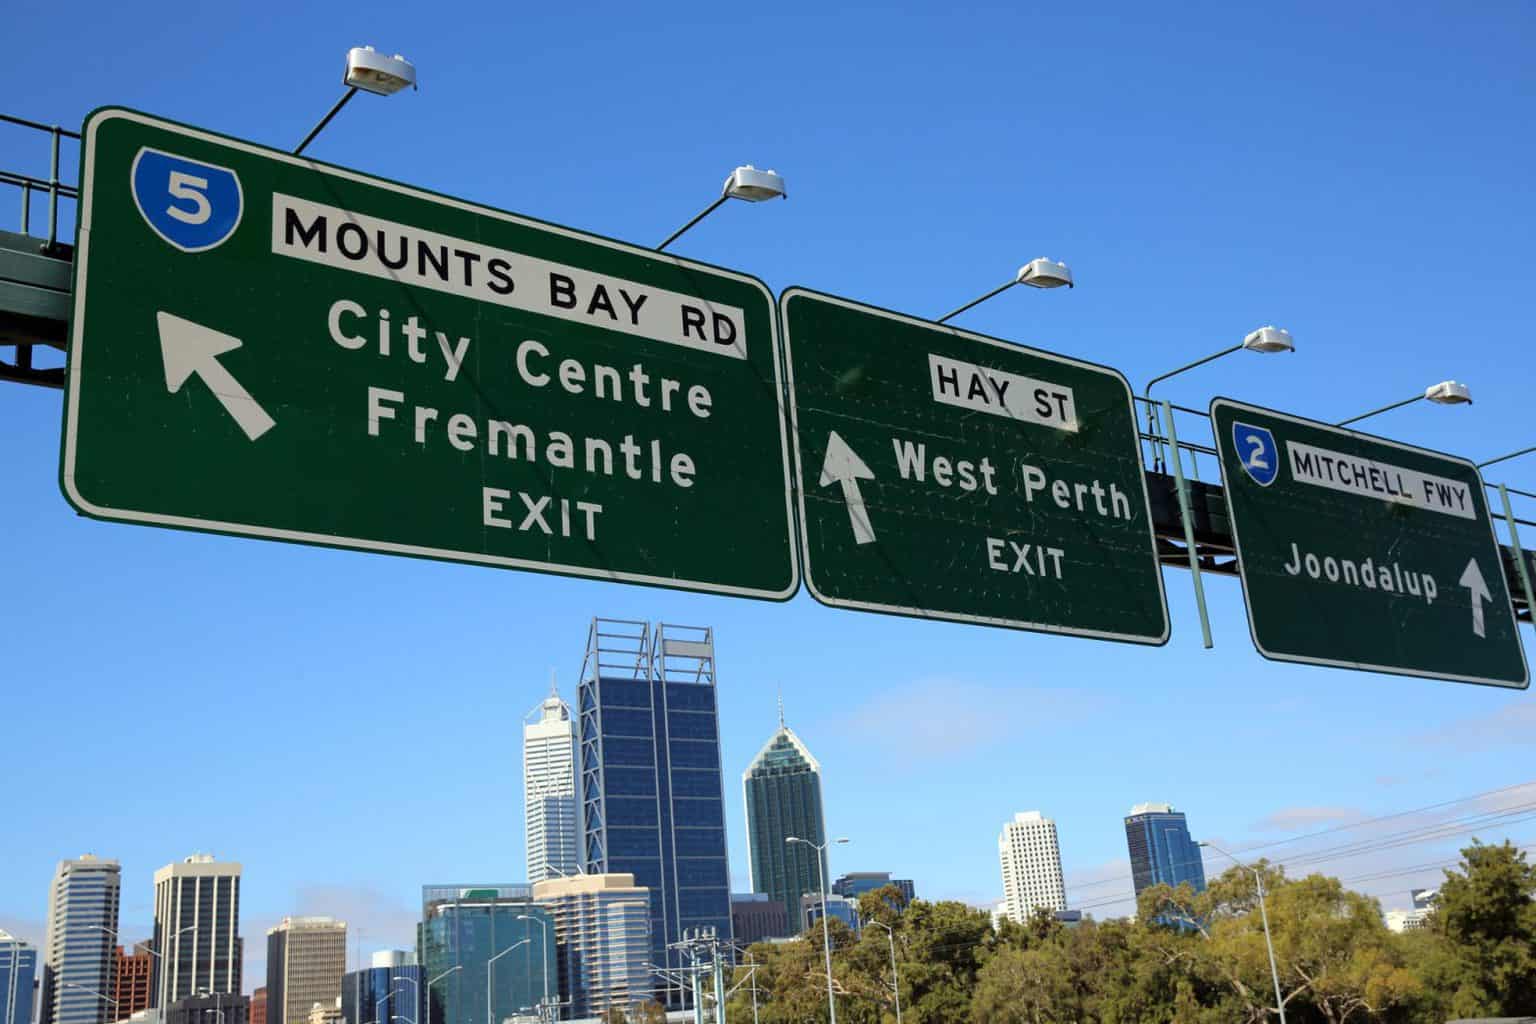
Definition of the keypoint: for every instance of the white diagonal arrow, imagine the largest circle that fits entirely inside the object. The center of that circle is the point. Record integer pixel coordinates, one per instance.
(1477, 588)
(190, 348)
(844, 467)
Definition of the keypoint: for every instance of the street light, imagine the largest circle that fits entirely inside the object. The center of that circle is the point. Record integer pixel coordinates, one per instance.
(93, 992)
(147, 948)
(746, 183)
(1258, 879)
(1037, 273)
(1505, 458)
(1267, 339)
(400, 980)
(490, 972)
(382, 1003)
(1447, 392)
(826, 934)
(890, 933)
(434, 981)
(543, 960)
(369, 71)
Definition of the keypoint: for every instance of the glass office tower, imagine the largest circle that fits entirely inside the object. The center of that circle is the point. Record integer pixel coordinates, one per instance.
(471, 926)
(393, 985)
(1161, 850)
(781, 790)
(652, 802)
(18, 970)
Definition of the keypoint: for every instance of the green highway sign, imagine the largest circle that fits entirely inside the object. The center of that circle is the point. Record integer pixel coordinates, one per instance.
(949, 475)
(1360, 552)
(267, 346)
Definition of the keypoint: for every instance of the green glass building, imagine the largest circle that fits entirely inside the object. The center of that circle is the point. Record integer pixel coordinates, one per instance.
(466, 927)
(782, 793)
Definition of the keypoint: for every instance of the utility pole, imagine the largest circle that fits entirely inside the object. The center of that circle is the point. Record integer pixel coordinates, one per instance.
(719, 965)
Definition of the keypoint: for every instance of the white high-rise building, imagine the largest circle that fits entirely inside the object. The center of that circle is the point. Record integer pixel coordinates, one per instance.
(78, 957)
(549, 791)
(197, 925)
(1031, 860)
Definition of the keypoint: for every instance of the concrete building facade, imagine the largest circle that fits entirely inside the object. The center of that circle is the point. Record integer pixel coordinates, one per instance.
(603, 941)
(197, 930)
(1031, 861)
(132, 979)
(306, 957)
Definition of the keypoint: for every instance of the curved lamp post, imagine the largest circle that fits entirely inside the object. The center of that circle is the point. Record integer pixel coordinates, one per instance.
(1037, 273)
(890, 934)
(369, 71)
(1266, 339)
(826, 934)
(746, 183)
(1258, 879)
(1447, 392)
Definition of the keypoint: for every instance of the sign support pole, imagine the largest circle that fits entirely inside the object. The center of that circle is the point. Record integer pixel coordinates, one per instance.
(1514, 542)
(1189, 525)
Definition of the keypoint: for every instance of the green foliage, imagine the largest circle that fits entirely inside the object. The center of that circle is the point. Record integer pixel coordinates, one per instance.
(1186, 958)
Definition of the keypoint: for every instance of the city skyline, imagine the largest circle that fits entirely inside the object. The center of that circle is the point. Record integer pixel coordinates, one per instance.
(923, 169)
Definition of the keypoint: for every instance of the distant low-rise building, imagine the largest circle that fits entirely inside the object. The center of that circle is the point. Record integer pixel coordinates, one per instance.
(756, 917)
(840, 908)
(131, 980)
(259, 1006)
(856, 883)
(213, 1008)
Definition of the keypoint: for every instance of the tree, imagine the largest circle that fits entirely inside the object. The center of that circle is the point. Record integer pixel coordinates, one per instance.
(1484, 963)
(651, 1013)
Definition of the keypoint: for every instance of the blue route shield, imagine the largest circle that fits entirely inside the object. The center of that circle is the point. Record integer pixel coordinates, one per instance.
(191, 205)
(1256, 448)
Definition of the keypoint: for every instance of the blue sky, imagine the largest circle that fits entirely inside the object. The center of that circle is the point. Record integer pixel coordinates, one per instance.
(346, 725)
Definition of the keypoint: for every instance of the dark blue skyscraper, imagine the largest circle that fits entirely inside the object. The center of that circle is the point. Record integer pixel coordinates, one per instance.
(652, 802)
(1160, 847)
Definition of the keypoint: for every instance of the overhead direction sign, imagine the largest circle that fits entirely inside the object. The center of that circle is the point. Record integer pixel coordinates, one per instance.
(949, 475)
(266, 346)
(1360, 552)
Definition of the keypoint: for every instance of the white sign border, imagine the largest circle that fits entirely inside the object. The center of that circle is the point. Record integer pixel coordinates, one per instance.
(76, 355)
(928, 613)
(1253, 632)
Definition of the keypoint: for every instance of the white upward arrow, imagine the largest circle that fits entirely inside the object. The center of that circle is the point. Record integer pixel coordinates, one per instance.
(1477, 587)
(846, 468)
(190, 348)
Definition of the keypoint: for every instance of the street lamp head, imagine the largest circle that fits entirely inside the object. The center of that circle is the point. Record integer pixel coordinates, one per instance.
(1449, 392)
(841, 841)
(373, 72)
(749, 183)
(1269, 339)
(1045, 273)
